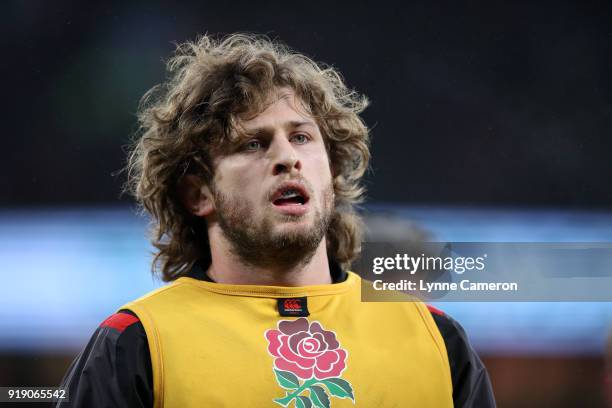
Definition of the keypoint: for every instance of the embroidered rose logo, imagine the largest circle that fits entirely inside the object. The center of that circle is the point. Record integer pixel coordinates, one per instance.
(308, 363)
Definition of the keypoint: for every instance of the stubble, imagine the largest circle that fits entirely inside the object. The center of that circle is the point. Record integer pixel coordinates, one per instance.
(256, 243)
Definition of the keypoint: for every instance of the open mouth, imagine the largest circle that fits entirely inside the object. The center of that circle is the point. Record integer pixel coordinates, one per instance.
(290, 194)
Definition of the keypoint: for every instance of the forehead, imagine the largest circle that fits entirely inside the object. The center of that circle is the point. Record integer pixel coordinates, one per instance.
(285, 107)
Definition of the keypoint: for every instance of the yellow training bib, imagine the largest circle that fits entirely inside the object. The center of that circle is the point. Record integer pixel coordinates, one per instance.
(217, 345)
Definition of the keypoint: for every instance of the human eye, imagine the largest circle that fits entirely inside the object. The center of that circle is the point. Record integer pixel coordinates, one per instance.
(300, 138)
(252, 145)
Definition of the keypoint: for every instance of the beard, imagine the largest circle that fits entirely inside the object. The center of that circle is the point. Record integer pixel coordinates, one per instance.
(258, 244)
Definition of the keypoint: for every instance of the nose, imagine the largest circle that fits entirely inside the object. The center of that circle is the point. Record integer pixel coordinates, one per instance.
(284, 157)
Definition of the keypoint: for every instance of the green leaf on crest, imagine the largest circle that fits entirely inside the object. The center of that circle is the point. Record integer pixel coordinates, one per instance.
(319, 397)
(303, 402)
(339, 388)
(287, 379)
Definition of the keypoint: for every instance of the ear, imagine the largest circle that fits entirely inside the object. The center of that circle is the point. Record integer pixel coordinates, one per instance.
(195, 195)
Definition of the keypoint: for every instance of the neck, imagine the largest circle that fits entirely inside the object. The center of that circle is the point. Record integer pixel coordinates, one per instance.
(227, 268)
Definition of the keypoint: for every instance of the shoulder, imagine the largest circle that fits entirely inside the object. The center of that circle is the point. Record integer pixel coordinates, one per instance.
(471, 384)
(120, 321)
(122, 329)
(113, 367)
(116, 340)
(448, 326)
(455, 338)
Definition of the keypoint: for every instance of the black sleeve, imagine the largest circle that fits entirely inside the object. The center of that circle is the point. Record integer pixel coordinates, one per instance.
(114, 369)
(471, 384)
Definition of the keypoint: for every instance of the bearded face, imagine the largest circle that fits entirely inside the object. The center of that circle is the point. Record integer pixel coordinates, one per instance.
(272, 239)
(273, 193)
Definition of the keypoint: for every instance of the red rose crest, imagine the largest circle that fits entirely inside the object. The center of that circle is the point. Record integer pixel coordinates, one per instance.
(308, 359)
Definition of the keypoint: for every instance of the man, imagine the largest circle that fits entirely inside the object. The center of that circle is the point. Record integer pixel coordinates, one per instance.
(249, 161)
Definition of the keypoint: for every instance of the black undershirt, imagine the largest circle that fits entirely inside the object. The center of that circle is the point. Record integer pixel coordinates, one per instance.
(338, 274)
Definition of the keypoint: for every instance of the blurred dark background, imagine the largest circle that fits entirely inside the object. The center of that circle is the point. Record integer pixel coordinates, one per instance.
(477, 105)
(485, 103)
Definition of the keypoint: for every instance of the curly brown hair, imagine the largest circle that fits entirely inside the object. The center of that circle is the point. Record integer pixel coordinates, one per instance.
(212, 85)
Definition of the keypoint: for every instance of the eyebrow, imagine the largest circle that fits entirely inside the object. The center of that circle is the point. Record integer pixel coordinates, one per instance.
(287, 125)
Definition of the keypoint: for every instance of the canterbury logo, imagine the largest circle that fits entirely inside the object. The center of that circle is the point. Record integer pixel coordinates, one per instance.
(292, 304)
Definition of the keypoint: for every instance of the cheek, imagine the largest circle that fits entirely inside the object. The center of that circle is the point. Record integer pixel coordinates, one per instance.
(237, 181)
(323, 173)
(320, 177)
